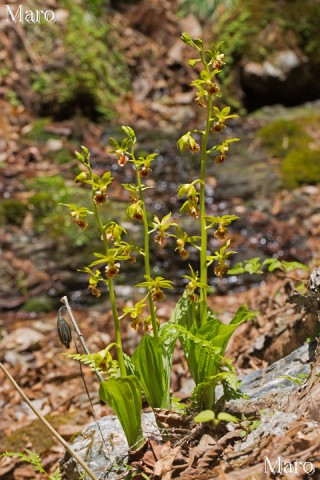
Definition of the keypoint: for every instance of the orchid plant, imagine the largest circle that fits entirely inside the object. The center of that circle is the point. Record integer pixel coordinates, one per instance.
(202, 336)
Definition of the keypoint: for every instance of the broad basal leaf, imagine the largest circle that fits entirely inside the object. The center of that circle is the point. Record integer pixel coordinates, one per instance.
(124, 397)
(153, 369)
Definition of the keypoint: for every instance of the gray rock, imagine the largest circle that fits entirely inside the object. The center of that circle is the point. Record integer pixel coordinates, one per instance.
(288, 77)
(103, 457)
(271, 423)
(279, 67)
(314, 284)
(265, 389)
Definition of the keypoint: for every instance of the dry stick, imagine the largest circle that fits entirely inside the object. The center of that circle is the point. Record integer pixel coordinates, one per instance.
(47, 424)
(64, 300)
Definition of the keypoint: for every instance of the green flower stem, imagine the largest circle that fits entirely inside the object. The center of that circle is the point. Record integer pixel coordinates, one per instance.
(204, 234)
(147, 254)
(119, 349)
(210, 398)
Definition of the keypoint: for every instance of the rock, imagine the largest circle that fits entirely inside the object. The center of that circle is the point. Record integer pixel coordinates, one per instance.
(191, 25)
(54, 144)
(175, 54)
(277, 67)
(273, 59)
(61, 15)
(21, 340)
(103, 457)
(279, 76)
(271, 423)
(314, 284)
(265, 389)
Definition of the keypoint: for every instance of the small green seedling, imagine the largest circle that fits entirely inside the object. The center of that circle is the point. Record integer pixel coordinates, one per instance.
(248, 425)
(299, 379)
(207, 416)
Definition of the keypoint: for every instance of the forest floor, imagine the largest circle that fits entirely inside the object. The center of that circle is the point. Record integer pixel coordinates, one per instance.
(34, 356)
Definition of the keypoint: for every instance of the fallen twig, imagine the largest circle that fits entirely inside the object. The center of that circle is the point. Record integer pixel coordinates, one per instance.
(47, 424)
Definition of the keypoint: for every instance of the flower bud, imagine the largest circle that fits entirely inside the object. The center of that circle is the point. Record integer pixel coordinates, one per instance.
(212, 88)
(135, 211)
(160, 239)
(94, 290)
(81, 177)
(195, 148)
(218, 63)
(184, 254)
(200, 101)
(136, 322)
(193, 297)
(192, 211)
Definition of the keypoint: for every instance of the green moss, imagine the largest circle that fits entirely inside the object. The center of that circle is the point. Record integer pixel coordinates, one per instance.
(53, 219)
(13, 212)
(301, 167)
(11, 96)
(84, 69)
(291, 141)
(40, 304)
(37, 132)
(61, 156)
(36, 434)
(48, 192)
(281, 136)
(202, 9)
(239, 25)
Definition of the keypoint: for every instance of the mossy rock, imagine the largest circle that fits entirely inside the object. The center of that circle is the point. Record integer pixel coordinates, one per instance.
(283, 135)
(35, 433)
(301, 167)
(293, 141)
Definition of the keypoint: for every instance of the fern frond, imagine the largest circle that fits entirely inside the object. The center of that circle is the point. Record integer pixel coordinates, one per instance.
(229, 382)
(173, 331)
(29, 457)
(101, 362)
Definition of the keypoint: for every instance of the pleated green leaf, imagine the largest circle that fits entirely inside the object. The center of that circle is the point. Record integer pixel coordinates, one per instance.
(153, 370)
(124, 397)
